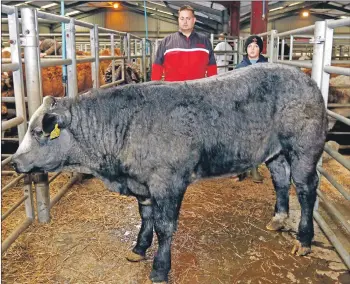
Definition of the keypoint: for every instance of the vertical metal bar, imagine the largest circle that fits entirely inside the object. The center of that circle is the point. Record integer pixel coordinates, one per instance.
(278, 46)
(235, 55)
(128, 47)
(71, 54)
(113, 60)
(63, 49)
(272, 47)
(28, 203)
(327, 59)
(150, 56)
(94, 46)
(212, 40)
(291, 47)
(144, 69)
(318, 50)
(282, 49)
(33, 81)
(18, 74)
(135, 47)
(41, 183)
(38, 51)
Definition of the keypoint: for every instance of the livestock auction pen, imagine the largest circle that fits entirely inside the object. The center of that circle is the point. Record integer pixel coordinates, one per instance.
(222, 238)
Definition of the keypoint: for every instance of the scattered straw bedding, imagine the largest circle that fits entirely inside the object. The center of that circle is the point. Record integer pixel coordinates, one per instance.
(221, 238)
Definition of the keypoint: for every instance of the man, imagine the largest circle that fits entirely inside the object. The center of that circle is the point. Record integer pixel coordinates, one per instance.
(223, 59)
(47, 47)
(253, 47)
(184, 55)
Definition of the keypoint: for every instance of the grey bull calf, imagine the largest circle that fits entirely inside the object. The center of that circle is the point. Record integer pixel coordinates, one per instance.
(152, 140)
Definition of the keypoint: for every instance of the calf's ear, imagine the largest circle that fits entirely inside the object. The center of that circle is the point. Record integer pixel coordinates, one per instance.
(50, 120)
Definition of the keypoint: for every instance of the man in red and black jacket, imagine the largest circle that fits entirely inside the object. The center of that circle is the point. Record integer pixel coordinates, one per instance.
(184, 55)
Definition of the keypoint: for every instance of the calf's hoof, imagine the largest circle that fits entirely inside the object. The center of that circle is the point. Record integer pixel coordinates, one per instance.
(159, 277)
(277, 222)
(299, 250)
(134, 257)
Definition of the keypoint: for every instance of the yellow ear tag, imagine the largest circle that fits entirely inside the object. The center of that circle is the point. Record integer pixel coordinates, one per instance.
(55, 133)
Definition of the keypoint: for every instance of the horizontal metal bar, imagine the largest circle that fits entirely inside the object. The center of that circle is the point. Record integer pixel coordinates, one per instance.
(345, 256)
(112, 84)
(84, 24)
(84, 60)
(339, 133)
(337, 70)
(109, 57)
(54, 177)
(53, 17)
(338, 157)
(296, 31)
(63, 190)
(298, 63)
(333, 182)
(48, 63)
(6, 161)
(135, 37)
(339, 117)
(338, 105)
(14, 139)
(111, 31)
(12, 183)
(11, 123)
(338, 23)
(9, 67)
(7, 9)
(5, 155)
(11, 99)
(13, 208)
(8, 173)
(334, 211)
(15, 234)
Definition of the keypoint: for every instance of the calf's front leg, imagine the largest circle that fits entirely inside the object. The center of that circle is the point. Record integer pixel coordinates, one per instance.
(145, 236)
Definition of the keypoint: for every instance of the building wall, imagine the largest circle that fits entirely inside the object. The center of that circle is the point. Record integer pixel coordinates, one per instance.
(135, 24)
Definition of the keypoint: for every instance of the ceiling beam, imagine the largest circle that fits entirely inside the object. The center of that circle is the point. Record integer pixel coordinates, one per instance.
(200, 8)
(82, 15)
(333, 7)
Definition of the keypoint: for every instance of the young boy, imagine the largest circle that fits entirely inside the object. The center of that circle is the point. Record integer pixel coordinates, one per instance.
(253, 47)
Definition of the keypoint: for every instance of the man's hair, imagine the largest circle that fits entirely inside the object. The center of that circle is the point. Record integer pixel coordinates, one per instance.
(186, 7)
(223, 34)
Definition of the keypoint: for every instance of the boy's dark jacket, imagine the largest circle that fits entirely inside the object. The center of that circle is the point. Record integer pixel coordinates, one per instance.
(245, 62)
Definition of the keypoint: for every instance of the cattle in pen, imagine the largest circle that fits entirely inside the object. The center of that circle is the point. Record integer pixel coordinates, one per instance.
(152, 140)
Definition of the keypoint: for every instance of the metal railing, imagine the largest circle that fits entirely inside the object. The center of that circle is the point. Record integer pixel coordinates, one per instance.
(33, 63)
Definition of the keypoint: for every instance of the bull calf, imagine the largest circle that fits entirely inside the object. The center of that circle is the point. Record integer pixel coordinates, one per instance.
(152, 140)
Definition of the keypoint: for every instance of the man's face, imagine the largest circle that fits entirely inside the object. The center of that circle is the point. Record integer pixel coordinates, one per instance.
(253, 51)
(186, 21)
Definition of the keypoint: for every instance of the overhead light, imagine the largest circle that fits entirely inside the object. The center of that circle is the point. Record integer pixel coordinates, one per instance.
(165, 12)
(115, 5)
(293, 4)
(155, 3)
(72, 13)
(48, 6)
(343, 17)
(305, 14)
(19, 4)
(275, 9)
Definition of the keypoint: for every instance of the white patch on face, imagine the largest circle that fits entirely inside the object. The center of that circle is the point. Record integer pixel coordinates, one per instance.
(25, 146)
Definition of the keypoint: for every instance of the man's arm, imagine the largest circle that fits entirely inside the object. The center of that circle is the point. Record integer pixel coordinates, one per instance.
(51, 49)
(211, 68)
(157, 66)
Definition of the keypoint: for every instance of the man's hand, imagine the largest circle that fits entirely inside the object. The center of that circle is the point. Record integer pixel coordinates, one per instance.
(42, 55)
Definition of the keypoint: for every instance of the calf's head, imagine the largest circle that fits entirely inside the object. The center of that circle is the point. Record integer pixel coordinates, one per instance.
(46, 144)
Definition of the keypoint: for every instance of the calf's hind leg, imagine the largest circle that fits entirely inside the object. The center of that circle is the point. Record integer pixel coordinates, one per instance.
(306, 180)
(145, 237)
(280, 172)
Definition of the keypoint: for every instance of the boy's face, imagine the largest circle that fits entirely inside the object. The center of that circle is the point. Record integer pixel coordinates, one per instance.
(186, 21)
(253, 51)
